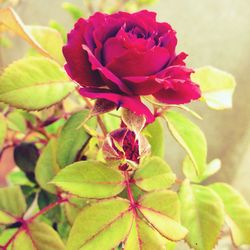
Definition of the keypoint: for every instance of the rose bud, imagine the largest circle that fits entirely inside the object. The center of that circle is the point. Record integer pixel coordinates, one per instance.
(122, 57)
(122, 145)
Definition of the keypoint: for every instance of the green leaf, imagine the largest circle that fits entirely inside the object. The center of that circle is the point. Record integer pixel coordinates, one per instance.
(3, 129)
(16, 121)
(143, 236)
(49, 39)
(58, 27)
(154, 132)
(38, 236)
(217, 86)
(162, 210)
(90, 179)
(73, 10)
(34, 83)
(112, 120)
(73, 208)
(190, 137)
(189, 170)
(105, 223)
(237, 212)
(153, 174)
(73, 138)
(12, 204)
(9, 21)
(44, 199)
(47, 167)
(18, 177)
(6, 235)
(202, 214)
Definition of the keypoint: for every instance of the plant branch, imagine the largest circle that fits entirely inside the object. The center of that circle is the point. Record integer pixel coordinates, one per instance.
(129, 191)
(99, 119)
(46, 209)
(5, 247)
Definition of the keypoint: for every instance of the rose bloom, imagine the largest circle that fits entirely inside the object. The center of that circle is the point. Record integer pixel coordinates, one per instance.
(121, 57)
(123, 145)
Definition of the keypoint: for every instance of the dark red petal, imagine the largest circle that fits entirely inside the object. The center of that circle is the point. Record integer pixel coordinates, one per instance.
(143, 85)
(78, 66)
(175, 72)
(179, 93)
(112, 49)
(136, 63)
(132, 103)
(114, 81)
(179, 59)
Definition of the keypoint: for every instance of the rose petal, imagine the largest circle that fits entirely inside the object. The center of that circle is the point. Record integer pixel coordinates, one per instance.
(136, 63)
(130, 102)
(113, 81)
(78, 66)
(112, 49)
(180, 93)
(143, 85)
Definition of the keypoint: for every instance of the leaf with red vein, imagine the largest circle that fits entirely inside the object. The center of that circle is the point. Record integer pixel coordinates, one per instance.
(163, 215)
(38, 236)
(103, 224)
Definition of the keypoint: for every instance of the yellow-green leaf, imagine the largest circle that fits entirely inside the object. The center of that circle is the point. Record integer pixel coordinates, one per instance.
(90, 179)
(190, 137)
(217, 86)
(38, 236)
(73, 10)
(202, 214)
(103, 224)
(34, 83)
(154, 174)
(12, 204)
(154, 132)
(73, 137)
(162, 210)
(49, 39)
(47, 167)
(189, 170)
(73, 207)
(9, 20)
(143, 237)
(237, 212)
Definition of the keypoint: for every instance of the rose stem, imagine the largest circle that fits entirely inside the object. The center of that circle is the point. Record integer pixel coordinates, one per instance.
(99, 119)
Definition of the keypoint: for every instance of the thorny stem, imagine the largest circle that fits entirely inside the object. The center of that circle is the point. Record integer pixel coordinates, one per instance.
(26, 222)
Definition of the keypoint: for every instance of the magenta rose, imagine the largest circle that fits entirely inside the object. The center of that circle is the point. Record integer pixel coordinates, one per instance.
(122, 57)
(123, 145)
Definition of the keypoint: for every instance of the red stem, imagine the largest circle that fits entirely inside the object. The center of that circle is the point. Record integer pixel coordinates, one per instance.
(46, 209)
(26, 222)
(129, 191)
(11, 239)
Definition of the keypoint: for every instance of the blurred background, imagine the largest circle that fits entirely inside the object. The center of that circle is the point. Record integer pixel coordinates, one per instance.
(212, 32)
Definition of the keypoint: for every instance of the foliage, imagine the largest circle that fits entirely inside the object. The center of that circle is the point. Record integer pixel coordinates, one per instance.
(64, 192)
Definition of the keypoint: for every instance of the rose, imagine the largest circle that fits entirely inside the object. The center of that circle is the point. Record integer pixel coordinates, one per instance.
(124, 146)
(121, 57)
